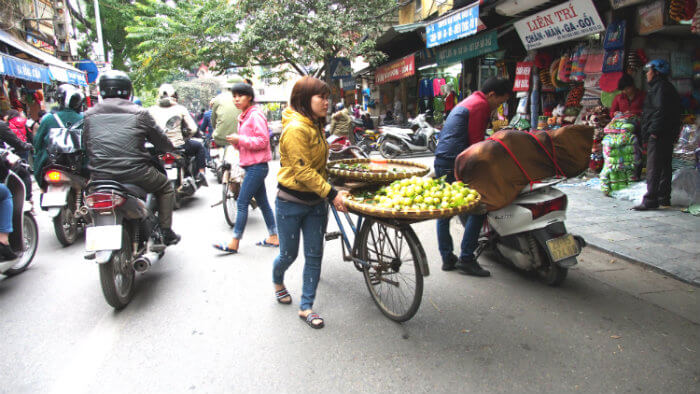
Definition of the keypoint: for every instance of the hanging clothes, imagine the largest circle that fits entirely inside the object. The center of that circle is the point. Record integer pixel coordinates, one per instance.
(437, 84)
(425, 88)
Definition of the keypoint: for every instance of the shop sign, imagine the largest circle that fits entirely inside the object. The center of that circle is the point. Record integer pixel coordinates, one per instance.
(454, 26)
(468, 48)
(402, 68)
(624, 3)
(522, 76)
(564, 22)
(651, 17)
(340, 68)
(41, 45)
(69, 76)
(23, 69)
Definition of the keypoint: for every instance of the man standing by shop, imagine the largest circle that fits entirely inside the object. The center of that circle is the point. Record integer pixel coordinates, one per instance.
(661, 124)
(466, 125)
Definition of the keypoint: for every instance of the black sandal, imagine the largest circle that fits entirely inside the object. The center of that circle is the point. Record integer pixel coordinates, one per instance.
(283, 294)
(310, 318)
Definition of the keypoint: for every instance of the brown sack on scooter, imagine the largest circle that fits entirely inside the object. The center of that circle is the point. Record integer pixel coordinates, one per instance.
(489, 168)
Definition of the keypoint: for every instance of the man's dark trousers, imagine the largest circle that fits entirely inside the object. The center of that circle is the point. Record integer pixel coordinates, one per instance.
(659, 171)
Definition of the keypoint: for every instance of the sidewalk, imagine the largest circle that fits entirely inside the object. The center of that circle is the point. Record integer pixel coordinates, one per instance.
(667, 240)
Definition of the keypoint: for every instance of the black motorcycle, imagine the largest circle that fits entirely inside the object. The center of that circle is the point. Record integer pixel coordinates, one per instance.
(65, 178)
(181, 170)
(125, 237)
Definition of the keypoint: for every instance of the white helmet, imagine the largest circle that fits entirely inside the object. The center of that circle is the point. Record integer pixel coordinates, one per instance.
(166, 90)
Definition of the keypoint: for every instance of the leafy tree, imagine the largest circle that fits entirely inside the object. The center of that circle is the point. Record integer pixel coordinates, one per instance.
(302, 35)
(115, 16)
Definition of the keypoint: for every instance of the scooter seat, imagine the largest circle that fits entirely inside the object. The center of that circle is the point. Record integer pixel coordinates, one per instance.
(135, 190)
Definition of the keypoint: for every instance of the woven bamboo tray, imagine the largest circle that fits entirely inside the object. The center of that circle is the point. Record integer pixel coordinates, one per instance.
(376, 177)
(412, 214)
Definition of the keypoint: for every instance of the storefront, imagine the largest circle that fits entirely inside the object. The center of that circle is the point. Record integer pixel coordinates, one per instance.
(397, 86)
(29, 74)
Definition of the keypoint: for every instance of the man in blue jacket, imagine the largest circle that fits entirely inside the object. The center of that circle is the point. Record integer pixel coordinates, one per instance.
(466, 125)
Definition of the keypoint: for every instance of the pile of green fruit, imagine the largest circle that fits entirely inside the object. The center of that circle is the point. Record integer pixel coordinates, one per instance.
(352, 167)
(421, 194)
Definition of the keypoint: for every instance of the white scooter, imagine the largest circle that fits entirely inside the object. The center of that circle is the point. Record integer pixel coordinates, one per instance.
(24, 238)
(530, 233)
(420, 137)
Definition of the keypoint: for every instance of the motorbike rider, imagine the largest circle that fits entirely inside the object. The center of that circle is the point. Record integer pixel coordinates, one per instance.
(114, 134)
(70, 103)
(341, 123)
(466, 125)
(20, 147)
(179, 127)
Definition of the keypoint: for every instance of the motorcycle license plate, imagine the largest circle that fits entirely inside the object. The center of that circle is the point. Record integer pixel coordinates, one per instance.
(103, 238)
(563, 247)
(172, 173)
(55, 196)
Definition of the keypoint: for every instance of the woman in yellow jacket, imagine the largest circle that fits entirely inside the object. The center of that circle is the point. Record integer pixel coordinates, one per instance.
(304, 191)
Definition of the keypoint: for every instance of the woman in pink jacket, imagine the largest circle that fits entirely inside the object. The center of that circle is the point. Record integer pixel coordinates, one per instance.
(253, 144)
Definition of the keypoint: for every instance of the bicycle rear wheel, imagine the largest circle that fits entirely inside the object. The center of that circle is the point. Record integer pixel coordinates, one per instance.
(229, 202)
(393, 277)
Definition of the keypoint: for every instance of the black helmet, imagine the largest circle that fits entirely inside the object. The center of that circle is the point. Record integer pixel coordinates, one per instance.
(115, 83)
(243, 89)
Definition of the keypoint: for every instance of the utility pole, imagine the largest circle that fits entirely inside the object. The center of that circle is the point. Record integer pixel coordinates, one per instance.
(98, 26)
(60, 30)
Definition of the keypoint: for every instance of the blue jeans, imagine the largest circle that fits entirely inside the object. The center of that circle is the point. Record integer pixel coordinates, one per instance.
(253, 186)
(5, 209)
(472, 226)
(196, 149)
(311, 220)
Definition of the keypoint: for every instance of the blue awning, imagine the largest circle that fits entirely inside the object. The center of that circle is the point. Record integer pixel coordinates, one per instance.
(22, 69)
(64, 75)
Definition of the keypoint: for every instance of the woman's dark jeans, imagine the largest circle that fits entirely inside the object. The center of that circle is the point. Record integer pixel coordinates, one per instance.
(253, 186)
(292, 220)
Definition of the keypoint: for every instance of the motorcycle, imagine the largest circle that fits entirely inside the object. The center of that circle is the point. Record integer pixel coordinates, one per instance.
(24, 238)
(341, 148)
(125, 237)
(420, 137)
(531, 235)
(180, 169)
(367, 139)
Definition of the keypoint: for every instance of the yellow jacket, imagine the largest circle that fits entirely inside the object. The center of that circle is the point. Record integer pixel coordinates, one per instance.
(303, 155)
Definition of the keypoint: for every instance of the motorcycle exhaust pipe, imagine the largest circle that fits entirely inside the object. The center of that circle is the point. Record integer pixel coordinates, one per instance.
(144, 262)
(393, 146)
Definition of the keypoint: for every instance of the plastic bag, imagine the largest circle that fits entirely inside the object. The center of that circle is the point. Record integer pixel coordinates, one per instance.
(64, 139)
(685, 187)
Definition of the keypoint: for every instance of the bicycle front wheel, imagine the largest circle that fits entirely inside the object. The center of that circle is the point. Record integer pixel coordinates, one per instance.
(393, 275)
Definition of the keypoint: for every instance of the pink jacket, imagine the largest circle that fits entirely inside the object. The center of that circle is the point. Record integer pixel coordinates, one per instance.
(18, 126)
(254, 138)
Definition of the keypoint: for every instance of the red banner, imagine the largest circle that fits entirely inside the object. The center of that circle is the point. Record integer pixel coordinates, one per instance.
(522, 76)
(398, 69)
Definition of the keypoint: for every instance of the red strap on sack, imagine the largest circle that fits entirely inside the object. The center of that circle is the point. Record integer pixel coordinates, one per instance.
(515, 159)
(552, 157)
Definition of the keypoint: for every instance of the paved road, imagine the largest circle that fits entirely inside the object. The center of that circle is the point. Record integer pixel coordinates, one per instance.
(205, 323)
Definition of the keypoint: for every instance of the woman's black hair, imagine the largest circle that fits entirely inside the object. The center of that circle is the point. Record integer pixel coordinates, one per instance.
(625, 81)
(243, 89)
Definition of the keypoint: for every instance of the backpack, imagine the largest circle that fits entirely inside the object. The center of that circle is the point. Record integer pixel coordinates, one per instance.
(64, 139)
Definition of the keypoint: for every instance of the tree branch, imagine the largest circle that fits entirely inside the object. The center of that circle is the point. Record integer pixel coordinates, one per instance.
(79, 16)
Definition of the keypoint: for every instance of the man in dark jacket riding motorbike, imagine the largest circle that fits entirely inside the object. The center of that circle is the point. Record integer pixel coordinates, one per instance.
(114, 134)
(661, 125)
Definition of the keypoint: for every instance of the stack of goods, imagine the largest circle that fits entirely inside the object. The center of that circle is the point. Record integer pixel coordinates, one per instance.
(500, 167)
(597, 118)
(682, 10)
(618, 153)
